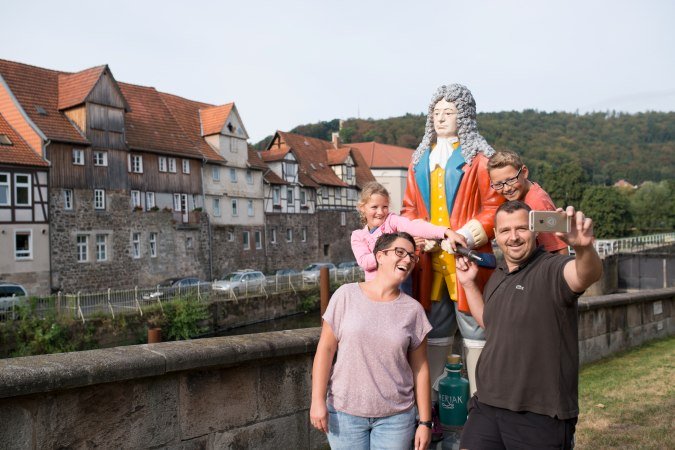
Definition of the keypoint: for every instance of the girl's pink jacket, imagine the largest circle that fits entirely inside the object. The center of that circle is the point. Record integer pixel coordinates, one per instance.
(363, 241)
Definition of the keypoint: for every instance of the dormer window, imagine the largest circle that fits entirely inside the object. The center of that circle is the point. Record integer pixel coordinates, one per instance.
(230, 127)
(4, 140)
(290, 170)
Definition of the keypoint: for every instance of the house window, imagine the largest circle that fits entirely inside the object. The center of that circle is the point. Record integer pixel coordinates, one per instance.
(22, 189)
(289, 234)
(350, 173)
(78, 157)
(258, 240)
(149, 200)
(247, 243)
(216, 207)
(172, 165)
(276, 196)
(68, 199)
(351, 194)
(215, 173)
(343, 219)
(233, 175)
(136, 245)
(235, 212)
(304, 234)
(162, 163)
(250, 209)
(99, 199)
(100, 158)
(188, 242)
(324, 193)
(101, 247)
(176, 202)
(153, 245)
(273, 236)
(23, 244)
(135, 199)
(82, 248)
(230, 236)
(136, 163)
(289, 196)
(186, 166)
(5, 199)
(249, 177)
(290, 170)
(303, 197)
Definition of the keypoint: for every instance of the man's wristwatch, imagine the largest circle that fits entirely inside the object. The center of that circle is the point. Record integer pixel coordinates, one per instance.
(426, 423)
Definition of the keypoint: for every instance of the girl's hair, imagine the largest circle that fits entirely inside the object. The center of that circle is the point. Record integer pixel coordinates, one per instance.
(371, 188)
(384, 241)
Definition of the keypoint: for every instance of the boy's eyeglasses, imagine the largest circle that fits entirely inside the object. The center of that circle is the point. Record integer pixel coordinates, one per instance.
(510, 182)
(402, 253)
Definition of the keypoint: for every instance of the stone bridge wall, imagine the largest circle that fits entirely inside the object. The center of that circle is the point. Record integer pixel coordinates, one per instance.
(238, 392)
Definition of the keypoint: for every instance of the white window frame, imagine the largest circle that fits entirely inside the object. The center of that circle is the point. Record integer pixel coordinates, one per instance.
(289, 234)
(153, 244)
(162, 163)
(99, 199)
(27, 185)
(249, 176)
(176, 202)
(276, 196)
(7, 187)
(188, 242)
(273, 236)
(150, 200)
(303, 237)
(257, 238)
(78, 157)
(233, 175)
(23, 255)
(68, 202)
(136, 199)
(230, 236)
(250, 209)
(215, 173)
(216, 207)
(136, 163)
(343, 219)
(101, 247)
(235, 207)
(246, 238)
(290, 193)
(136, 245)
(324, 193)
(100, 158)
(186, 166)
(303, 197)
(82, 247)
(172, 165)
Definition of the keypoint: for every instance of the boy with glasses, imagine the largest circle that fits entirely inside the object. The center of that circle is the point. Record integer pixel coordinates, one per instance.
(508, 176)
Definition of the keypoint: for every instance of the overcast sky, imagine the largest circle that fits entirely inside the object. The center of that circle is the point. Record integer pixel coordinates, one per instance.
(286, 63)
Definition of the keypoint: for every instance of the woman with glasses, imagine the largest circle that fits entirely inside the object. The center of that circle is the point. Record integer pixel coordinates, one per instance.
(509, 177)
(371, 396)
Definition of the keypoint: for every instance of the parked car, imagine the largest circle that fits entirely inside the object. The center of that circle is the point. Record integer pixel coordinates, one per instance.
(172, 286)
(285, 272)
(310, 274)
(348, 269)
(10, 293)
(247, 280)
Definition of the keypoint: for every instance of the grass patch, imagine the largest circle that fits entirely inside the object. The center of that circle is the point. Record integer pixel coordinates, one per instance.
(628, 401)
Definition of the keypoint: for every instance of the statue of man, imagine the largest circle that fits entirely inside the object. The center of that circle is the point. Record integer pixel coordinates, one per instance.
(448, 184)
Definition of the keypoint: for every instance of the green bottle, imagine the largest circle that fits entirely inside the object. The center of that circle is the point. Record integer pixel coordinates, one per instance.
(453, 394)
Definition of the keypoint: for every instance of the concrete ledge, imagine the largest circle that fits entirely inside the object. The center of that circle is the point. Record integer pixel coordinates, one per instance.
(590, 303)
(45, 373)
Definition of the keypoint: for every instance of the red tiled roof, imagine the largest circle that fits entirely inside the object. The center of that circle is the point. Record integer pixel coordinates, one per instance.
(312, 157)
(73, 88)
(19, 152)
(214, 117)
(337, 156)
(272, 178)
(186, 113)
(363, 173)
(36, 87)
(254, 160)
(382, 156)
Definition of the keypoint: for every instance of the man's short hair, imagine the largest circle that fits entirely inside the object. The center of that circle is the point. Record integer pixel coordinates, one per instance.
(504, 158)
(512, 206)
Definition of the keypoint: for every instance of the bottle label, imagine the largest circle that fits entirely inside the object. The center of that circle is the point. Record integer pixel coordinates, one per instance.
(449, 401)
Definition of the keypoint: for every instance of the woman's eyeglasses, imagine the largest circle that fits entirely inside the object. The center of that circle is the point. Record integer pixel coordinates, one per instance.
(402, 253)
(509, 182)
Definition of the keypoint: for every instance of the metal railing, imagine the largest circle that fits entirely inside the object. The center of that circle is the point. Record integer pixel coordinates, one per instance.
(607, 247)
(81, 306)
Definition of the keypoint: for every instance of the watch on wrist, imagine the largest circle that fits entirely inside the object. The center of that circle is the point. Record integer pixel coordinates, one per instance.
(426, 423)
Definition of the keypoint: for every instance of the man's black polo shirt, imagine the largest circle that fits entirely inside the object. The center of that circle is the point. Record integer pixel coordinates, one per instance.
(531, 357)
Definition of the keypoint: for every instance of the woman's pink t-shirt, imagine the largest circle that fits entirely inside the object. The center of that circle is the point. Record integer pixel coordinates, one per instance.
(371, 376)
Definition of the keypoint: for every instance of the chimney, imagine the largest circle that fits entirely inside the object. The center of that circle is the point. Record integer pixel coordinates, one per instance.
(336, 139)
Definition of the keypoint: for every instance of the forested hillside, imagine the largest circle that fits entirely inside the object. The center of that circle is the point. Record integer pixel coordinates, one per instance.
(607, 146)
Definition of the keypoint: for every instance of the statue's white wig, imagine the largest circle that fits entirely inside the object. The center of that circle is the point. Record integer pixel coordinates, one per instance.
(467, 127)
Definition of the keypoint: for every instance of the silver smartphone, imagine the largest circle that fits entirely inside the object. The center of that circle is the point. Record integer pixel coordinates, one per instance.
(549, 221)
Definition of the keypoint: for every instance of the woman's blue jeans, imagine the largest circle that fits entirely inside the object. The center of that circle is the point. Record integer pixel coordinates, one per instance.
(347, 432)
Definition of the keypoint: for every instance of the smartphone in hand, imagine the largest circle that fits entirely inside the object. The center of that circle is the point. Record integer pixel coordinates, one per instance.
(549, 221)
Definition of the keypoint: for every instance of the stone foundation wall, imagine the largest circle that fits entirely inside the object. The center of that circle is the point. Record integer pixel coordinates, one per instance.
(243, 392)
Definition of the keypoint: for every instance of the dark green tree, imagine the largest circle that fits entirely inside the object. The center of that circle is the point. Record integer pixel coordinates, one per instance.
(565, 183)
(653, 207)
(609, 210)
